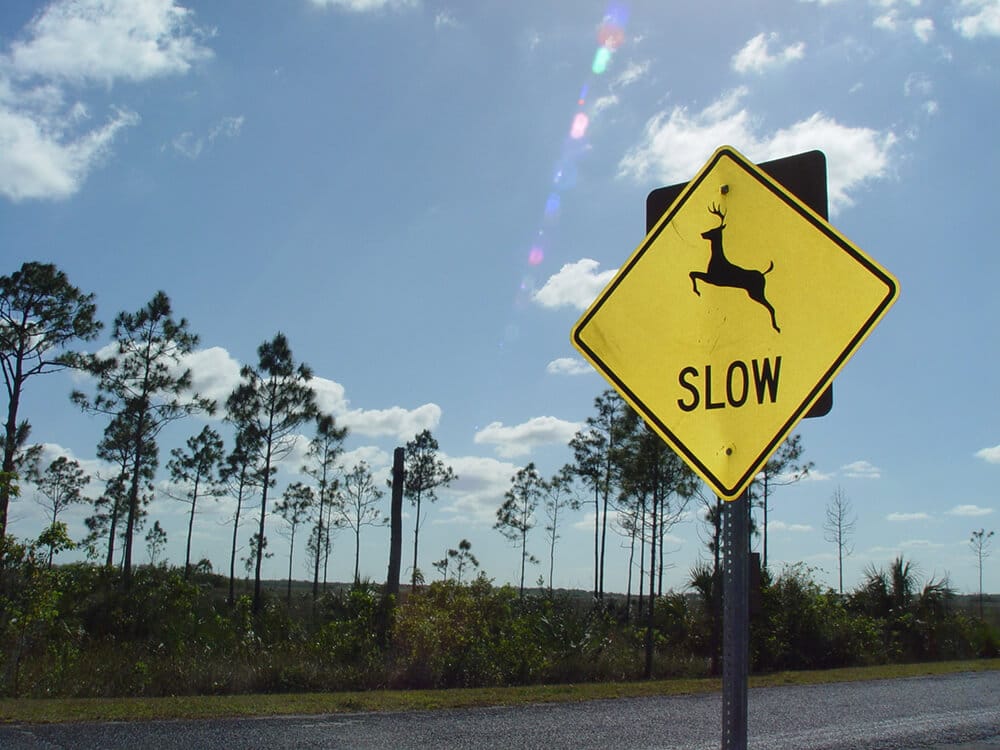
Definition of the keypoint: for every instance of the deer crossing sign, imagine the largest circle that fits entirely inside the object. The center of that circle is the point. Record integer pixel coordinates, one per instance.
(731, 318)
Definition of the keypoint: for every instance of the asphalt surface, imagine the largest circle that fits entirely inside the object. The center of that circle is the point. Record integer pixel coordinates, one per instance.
(955, 712)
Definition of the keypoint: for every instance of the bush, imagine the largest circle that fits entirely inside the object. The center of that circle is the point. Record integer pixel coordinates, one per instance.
(451, 635)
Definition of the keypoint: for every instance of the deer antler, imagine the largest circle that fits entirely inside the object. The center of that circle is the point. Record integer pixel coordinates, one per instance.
(715, 210)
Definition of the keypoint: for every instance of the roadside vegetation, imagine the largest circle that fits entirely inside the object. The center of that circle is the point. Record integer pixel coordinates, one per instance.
(78, 631)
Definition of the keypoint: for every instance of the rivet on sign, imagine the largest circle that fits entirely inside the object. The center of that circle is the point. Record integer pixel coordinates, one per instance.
(729, 451)
(725, 189)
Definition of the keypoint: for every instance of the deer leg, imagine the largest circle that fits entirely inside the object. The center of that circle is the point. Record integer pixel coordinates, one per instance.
(757, 295)
(770, 309)
(695, 275)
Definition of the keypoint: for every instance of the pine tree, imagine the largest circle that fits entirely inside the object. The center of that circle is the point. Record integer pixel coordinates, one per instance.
(142, 389)
(197, 471)
(267, 408)
(41, 313)
(294, 508)
(324, 450)
(60, 485)
(516, 517)
(359, 507)
(424, 473)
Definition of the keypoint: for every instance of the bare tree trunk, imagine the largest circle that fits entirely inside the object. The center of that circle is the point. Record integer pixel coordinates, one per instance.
(648, 671)
(597, 542)
(232, 556)
(416, 539)
(395, 524)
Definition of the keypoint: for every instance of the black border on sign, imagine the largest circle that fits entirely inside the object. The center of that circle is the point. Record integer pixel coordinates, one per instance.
(824, 380)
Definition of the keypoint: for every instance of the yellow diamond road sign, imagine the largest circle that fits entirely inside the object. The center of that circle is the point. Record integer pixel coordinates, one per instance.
(731, 318)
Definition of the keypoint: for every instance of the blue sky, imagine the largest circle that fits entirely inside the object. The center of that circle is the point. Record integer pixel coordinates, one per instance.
(405, 189)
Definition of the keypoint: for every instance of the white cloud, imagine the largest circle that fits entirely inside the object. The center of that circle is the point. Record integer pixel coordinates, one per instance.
(676, 144)
(375, 457)
(969, 511)
(189, 145)
(756, 57)
(47, 148)
(979, 18)
(917, 84)
(364, 6)
(923, 28)
(395, 421)
(228, 127)
(214, 373)
(568, 366)
(814, 475)
(796, 528)
(444, 20)
(585, 522)
(574, 285)
(632, 73)
(331, 397)
(478, 491)
(95, 468)
(887, 22)
(518, 440)
(903, 517)
(402, 423)
(604, 102)
(990, 455)
(44, 157)
(103, 40)
(861, 470)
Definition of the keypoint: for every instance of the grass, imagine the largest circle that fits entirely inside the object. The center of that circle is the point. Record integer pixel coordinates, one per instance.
(206, 707)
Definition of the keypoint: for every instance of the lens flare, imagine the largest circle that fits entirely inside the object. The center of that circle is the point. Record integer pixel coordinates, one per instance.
(601, 60)
(610, 35)
(610, 38)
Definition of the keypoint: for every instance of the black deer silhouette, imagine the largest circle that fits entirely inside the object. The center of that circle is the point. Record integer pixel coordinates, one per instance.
(723, 273)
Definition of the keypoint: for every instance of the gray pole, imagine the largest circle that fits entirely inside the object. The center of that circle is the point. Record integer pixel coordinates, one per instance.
(736, 623)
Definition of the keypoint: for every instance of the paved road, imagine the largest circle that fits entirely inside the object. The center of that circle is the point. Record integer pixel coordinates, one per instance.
(957, 712)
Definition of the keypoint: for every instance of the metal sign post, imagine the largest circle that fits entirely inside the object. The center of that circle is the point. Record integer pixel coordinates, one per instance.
(735, 622)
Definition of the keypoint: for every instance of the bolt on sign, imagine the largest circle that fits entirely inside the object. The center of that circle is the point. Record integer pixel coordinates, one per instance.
(732, 318)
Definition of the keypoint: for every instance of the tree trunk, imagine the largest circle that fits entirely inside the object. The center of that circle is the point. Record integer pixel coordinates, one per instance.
(631, 564)
(524, 554)
(232, 556)
(9, 449)
(187, 554)
(416, 539)
(395, 524)
(648, 671)
(597, 541)
(113, 523)
(552, 547)
(291, 554)
(357, 553)
(604, 535)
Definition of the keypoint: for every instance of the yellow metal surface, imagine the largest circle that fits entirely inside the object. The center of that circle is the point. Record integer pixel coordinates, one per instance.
(710, 370)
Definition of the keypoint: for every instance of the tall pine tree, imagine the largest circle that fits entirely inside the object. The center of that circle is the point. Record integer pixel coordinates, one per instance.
(273, 400)
(41, 313)
(143, 389)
